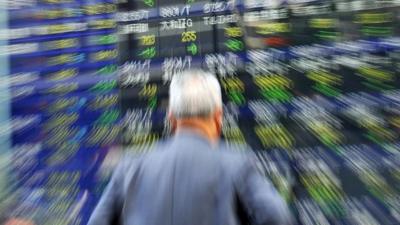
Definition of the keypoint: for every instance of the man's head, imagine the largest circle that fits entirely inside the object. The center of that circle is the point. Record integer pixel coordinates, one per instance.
(195, 102)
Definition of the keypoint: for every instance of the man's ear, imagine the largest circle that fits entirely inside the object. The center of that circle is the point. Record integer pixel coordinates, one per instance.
(173, 122)
(218, 118)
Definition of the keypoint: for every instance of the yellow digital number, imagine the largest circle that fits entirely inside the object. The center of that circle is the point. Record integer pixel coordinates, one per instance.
(102, 24)
(376, 74)
(374, 18)
(64, 74)
(104, 102)
(143, 139)
(112, 135)
(189, 36)
(324, 77)
(104, 55)
(90, 9)
(233, 84)
(62, 104)
(63, 88)
(271, 28)
(395, 121)
(326, 133)
(274, 136)
(60, 120)
(99, 9)
(109, 8)
(60, 135)
(67, 43)
(322, 23)
(379, 130)
(51, 14)
(234, 134)
(103, 135)
(64, 151)
(59, 28)
(147, 40)
(61, 59)
(98, 133)
(64, 43)
(149, 90)
(274, 81)
(233, 32)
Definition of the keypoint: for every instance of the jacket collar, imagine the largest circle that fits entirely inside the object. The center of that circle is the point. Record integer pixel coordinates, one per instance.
(191, 136)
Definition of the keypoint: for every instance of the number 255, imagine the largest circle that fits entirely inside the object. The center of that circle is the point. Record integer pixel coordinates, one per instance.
(189, 36)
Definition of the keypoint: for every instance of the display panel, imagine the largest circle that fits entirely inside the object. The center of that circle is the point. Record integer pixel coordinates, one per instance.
(305, 86)
(310, 88)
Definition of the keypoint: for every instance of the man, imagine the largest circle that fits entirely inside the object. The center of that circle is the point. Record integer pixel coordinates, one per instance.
(189, 180)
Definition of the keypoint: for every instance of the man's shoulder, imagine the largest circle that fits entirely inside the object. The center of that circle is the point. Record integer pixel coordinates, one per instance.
(225, 154)
(126, 162)
(235, 155)
(132, 156)
(235, 150)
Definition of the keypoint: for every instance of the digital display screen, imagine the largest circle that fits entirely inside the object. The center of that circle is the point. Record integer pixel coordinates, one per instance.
(304, 85)
(310, 88)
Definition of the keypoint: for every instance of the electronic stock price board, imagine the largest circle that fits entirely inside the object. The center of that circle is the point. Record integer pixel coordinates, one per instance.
(64, 105)
(311, 86)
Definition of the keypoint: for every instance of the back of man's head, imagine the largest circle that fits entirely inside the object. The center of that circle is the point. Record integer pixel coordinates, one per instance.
(195, 102)
(194, 93)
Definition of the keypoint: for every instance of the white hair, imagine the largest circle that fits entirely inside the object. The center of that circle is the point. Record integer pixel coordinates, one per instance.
(194, 93)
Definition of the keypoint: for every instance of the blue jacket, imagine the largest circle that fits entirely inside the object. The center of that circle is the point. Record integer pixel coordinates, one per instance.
(185, 181)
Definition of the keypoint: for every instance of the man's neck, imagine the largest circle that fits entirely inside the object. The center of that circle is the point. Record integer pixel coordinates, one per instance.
(200, 126)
